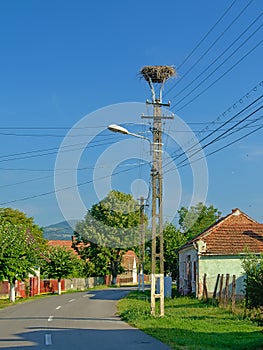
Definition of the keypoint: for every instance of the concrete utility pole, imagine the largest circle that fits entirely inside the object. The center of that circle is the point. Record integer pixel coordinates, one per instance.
(141, 245)
(157, 75)
(142, 228)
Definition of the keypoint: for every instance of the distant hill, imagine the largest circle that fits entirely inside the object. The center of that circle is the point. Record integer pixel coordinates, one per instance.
(60, 231)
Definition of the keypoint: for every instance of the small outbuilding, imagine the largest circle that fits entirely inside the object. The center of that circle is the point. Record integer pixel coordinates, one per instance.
(218, 251)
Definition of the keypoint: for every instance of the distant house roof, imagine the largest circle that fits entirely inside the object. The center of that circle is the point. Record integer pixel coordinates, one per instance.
(128, 260)
(233, 234)
(62, 243)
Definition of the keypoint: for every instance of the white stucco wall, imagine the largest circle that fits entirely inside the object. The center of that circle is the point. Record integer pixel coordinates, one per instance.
(214, 265)
(185, 255)
(211, 266)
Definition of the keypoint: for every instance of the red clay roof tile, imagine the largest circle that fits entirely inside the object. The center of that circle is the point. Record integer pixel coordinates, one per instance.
(232, 235)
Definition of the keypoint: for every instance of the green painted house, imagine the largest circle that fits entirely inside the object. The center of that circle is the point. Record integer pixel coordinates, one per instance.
(218, 250)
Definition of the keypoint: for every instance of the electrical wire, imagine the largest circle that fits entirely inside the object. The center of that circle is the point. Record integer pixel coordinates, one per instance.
(255, 101)
(212, 45)
(50, 153)
(68, 187)
(200, 42)
(223, 134)
(219, 78)
(218, 57)
(219, 149)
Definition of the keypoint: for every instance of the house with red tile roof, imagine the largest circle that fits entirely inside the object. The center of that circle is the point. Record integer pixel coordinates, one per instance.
(129, 260)
(62, 243)
(219, 250)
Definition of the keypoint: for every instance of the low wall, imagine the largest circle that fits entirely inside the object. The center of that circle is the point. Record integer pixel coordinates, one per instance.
(34, 286)
(83, 283)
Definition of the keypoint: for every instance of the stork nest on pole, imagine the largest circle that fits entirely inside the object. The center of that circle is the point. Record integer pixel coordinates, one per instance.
(157, 74)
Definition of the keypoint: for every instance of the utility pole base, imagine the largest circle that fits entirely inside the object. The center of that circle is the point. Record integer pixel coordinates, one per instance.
(157, 292)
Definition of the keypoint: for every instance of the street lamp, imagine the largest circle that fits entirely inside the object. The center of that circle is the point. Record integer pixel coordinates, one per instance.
(122, 130)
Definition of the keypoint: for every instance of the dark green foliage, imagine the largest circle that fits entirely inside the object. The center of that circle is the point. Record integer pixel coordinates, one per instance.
(59, 262)
(109, 229)
(197, 218)
(173, 239)
(191, 221)
(253, 267)
(21, 245)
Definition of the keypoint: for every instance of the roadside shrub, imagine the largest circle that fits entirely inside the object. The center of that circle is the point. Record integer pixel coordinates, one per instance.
(253, 267)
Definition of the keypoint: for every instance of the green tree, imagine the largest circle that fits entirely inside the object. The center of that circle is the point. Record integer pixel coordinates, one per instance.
(191, 222)
(196, 219)
(18, 218)
(173, 238)
(59, 263)
(109, 229)
(253, 267)
(21, 244)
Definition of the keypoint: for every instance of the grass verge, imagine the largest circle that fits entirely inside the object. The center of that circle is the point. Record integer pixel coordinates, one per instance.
(190, 324)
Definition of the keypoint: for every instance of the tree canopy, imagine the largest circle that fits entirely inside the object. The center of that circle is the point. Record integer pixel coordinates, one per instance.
(192, 221)
(21, 245)
(109, 229)
(59, 262)
(196, 219)
(173, 238)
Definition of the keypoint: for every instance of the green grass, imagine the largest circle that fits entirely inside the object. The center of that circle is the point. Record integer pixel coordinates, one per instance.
(190, 324)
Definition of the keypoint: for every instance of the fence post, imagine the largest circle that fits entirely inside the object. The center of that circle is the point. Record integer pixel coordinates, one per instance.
(226, 290)
(221, 288)
(233, 296)
(215, 290)
(205, 294)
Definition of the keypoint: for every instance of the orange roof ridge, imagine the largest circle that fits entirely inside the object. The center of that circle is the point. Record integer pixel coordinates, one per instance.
(220, 222)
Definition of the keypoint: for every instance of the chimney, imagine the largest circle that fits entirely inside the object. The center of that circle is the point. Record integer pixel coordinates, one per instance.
(236, 211)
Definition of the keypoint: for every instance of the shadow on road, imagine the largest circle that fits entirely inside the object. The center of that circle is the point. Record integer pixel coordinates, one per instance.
(81, 339)
(110, 294)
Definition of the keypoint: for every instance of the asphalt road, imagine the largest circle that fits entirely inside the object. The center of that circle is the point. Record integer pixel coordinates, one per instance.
(77, 321)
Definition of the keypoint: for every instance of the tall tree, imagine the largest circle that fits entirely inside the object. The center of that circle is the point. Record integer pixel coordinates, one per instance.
(21, 244)
(109, 229)
(59, 263)
(197, 218)
(173, 238)
(191, 222)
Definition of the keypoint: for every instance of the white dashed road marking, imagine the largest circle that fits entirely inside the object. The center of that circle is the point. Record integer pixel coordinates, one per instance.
(48, 339)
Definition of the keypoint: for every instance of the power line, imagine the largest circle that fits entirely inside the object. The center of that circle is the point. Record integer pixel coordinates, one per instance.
(69, 187)
(211, 46)
(211, 133)
(65, 171)
(221, 135)
(222, 125)
(218, 57)
(201, 41)
(50, 127)
(56, 150)
(219, 149)
(220, 77)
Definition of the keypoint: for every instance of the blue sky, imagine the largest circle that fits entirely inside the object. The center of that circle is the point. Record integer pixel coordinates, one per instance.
(70, 68)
